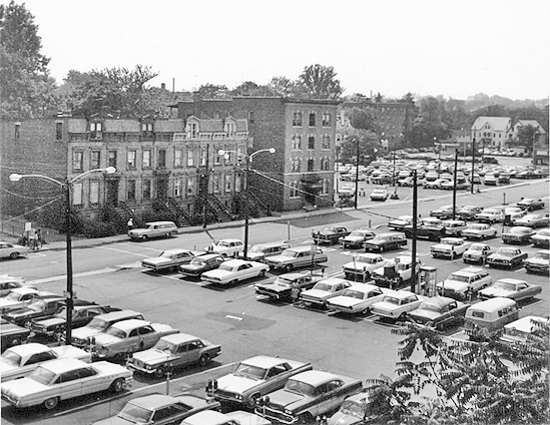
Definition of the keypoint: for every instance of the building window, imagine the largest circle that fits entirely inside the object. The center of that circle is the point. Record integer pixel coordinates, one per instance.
(325, 164)
(78, 161)
(77, 193)
(218, 157)
(146, 189)
(131, 189)
(297, 142)
(17, 131)
(190, 186)
(203, 157)
(311, 141)
(227, 181)
(132, 154)
(58, 130)
(177, 188)
(216, 183)
(95, 130)
(294, 192)
(178, 158)
(147, 128)
(251, 117)
(325, 144)
(310, 164)
(94, 192)
(295, 165)
(324, 189)
(297, 119)
(162, 158)
(193, 130)
(146, 159)
(95, 160)
(230, 128)
(112, 159)
(327, 118)
(312, 119)
(190, 158)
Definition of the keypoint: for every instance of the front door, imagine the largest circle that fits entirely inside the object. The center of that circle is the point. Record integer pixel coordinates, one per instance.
(162, 188)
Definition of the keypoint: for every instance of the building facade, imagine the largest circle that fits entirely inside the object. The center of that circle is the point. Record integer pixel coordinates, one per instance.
(491, 132)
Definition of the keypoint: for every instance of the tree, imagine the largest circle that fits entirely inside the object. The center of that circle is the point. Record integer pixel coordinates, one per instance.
(283, 86)
(212, 91)
(26, 89)
(319, 82)
(249, 88)
(364, 141)
(527, 136)
(364, 119)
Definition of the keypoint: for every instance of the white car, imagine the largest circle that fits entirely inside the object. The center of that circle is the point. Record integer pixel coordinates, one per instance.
(357, 299)
(362, 265)
(379, 194)
(450, 248)
(477, 253)
(227, 247)
(396, 304)
(479, 231)
(13, 251)
(533, 220)
(323, 290)
(490, 215)
(54, 381)
(233, 271)
(169, 259)
(18, 297)
(21, 360)
(238, 417)
(459, 283)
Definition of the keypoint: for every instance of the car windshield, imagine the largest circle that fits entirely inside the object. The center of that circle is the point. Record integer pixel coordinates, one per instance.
(519, 230)
(134, 413)
(198, 262)
(323, 287)
(13, 296)
(391, 300)
(116, 332)
(12, 358)
(328, 230)
(358, 233)
(284, 281)
(163, 345)
(362, 259)
(352, 293)
(352, 408)
(257, 248)
(543, 255)
(450, 242)
(507, 252)
(227, 267)
(430, 306)
(299, 387)
(379, 191)
(508, 286)
(42, 375)
(250, 371)
(477, 227)
(477, 247)
(98, 324)
(458, 278)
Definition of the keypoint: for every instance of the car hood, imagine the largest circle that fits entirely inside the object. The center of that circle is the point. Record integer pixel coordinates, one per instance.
(384, 305)
(453, 284)
(85, 332)
(473, 253)
(340, 418)
(65, 351)
(50, 322)
(20, 312)
(424, 313)
(217, 273)
(276, 287)
(343, 301)
(496, 292)
(153, 356)
(540, 261)
(116, 420)
(237, 384)
(8, 303)
(155, 260)
(192, 267)
(23, 387)
(285, 399)
(353, 238)
(246, 418)
(5, 367)
(442, 247)
(315, 293)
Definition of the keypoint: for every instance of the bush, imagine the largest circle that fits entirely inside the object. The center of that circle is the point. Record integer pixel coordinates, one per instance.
(98, 229)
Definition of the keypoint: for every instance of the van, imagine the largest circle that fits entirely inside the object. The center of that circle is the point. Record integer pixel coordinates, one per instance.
(154, 229)
(492, 314)
(261, 251)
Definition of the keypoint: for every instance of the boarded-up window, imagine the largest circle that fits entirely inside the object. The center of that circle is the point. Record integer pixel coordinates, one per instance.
(77, 194)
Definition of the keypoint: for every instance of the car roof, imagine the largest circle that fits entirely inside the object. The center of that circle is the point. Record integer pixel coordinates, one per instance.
(237, 261)
(25, 290)
(63, 365)
(439, 301)
(264, 361)
(332, 280)
(116, 314)
(315, 377)
(228, 240)
(468, 270)
(492, 304)
(525, 324)
(511, 280)
(176, 251)
(179, 338)
(125, 325)
(210, 417)
(29, 348)
(153, 401)
(400, 294)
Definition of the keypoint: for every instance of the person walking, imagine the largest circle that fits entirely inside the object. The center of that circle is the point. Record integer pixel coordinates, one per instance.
(35, 241)
(130, 224)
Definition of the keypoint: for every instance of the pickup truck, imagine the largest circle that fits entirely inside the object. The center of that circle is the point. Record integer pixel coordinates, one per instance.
(450, 248)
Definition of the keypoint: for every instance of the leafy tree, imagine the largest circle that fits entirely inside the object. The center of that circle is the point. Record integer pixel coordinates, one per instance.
(364, 119)
(27, 90)
(359, 139)
(283, 86)
(319, 82)
(527, 135)
(249, 88)
(455, 116)
(408, 98)
(212, 91)
(378, 98)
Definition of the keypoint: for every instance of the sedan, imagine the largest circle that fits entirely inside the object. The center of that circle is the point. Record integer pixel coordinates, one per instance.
(329, 235)
(357, 299)
(399, 223)
(395, 305)
(515, 289)
(13, 251)
(533, 220)
(160, 409)
(8, 283)
(64, 379)
(439, 312)
(507, 257)
(362, 265)
(288, 285)
(518, 235)
(539, 263)
(436, 184)
(541, 238)
(356, 238)
(237, 417)
(379, 194)
(468, 212)
(19, 361)
(477, 253)
(446, 211)
(233, 271)
(170, 259)
(531, 204)
(490, 215)
(323, 290)
(479, 231)
(200, 264)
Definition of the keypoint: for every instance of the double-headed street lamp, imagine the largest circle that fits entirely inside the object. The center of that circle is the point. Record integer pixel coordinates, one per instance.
(248, 160)
(67, 187)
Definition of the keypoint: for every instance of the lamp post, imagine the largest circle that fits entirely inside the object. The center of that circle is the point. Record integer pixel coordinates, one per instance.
(535, 136)
(473, 162)
(66, 186)
(248, 160)
(439, 155)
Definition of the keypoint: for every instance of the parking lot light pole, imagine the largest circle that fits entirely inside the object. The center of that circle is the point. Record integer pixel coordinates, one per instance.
(248, 160)
(535, 136)
(67, 188)
(473, 163)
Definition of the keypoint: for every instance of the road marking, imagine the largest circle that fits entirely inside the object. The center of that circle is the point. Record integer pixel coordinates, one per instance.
(129, 252)
(64, 277)
(228, 316)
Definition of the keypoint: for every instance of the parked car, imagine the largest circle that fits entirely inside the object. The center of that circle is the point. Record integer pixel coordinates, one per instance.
(329, 235)
(386, 242)
(261, 251)
(300, 256)
(531, 204)
(428, 228)
(477, 253)
(440, 313)
(533, 220)
(38, 308)
(395, 272)
(435, 184)
(507, 257)
(443, 212)
(237, 417)
(323, 290)
(21, 360)
(308, 395)
(82, 336)
(362, 265)
(20, 297)
(460, 185)
(13, 251)
(169, 259)
(174, 351)
(356, 238)
(479, 231)
(54, 381)
(9, 283)
(464, 283)
(281, 288)
(226, 247)
(492, 314)
(357, 299)
(160, 409)
(454, 227)
(490, 215)
(395, 305)
(398, 224)
(233, 271)
(200, 264)
(513, 213)
(354, 411)
(255, 377)
(450, 248)
(468, 212)
(519, 330)
(504, 178)
(541, 238)
(514, 289)
(539, 263)
(518, 235)
(129, 336)
(379, 194)
(154, 229)
(12, 335)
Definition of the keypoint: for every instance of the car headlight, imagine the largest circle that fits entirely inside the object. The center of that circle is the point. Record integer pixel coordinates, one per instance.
(239, 396)
(148, 367)
(288, 412)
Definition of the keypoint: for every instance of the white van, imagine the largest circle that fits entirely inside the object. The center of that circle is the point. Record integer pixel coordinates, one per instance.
(154, 229)
(492, 314)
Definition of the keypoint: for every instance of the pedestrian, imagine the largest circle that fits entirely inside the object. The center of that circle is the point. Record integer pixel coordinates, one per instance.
(130, 224)
(40, 240)
(470, 293)
(295, 292)
(35, 241)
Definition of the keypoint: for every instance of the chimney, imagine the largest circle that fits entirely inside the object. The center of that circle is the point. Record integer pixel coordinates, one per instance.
(163, 86)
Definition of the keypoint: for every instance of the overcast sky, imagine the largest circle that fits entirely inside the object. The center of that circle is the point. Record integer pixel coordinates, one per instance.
(454, 48)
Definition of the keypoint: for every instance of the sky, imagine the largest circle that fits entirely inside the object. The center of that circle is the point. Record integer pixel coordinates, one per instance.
(452, 48)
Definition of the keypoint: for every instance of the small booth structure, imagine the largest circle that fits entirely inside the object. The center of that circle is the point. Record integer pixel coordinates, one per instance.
(427, 280)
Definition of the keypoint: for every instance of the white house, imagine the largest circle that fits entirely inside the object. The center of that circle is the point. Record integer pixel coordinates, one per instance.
(491, 132)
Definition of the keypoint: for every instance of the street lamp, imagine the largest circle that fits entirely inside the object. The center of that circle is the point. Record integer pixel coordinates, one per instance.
(248, 160)
(535, 136)
(66, 186)
(439, 152)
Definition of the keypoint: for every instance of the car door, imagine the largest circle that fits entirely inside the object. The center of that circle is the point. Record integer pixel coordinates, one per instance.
(187, 353)
(91, 382)
(327, 397)
(147, 337)
(67, 385)
(276, 376)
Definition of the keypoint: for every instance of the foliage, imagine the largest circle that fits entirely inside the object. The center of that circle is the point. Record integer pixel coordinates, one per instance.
(364, 141)
(526, 136)
(364, 119)
(249, 88)
(27, 90)
(213, 91)
(320, 82)
(283, 86)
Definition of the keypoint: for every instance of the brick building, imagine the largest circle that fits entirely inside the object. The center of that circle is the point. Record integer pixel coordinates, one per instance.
(301, 171)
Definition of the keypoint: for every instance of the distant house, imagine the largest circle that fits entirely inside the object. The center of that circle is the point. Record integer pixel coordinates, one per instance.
(491, 132)
(513, 132)
(457, 140)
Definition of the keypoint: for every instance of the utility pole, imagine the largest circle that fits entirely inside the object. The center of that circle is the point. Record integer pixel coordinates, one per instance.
(454, 185)
(473, 162)
(357, 172)
(414, 225)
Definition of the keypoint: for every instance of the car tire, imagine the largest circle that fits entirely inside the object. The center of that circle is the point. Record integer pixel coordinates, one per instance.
(204, 359)
(14, 255)
(144, 238)
(117, 386)
(262, 273)
(15, 341)
(161, 372)
(288, 268)
(234, 282)
(365, 311)
(50, 403)
(306, 418)
(252, 402)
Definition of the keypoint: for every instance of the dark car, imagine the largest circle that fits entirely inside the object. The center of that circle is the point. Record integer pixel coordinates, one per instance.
(531, 204)
(281, 288)
(440, 312)
(446, 211)
(329, 235)
(386, 242)
(430, 228)
(37, 308)
(490, 160)
(200, 264)
(468, 212)
(518, 235)
(12, 334)
(506, 257)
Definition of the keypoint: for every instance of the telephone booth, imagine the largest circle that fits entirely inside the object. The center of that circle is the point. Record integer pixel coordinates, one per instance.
(427, 280)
